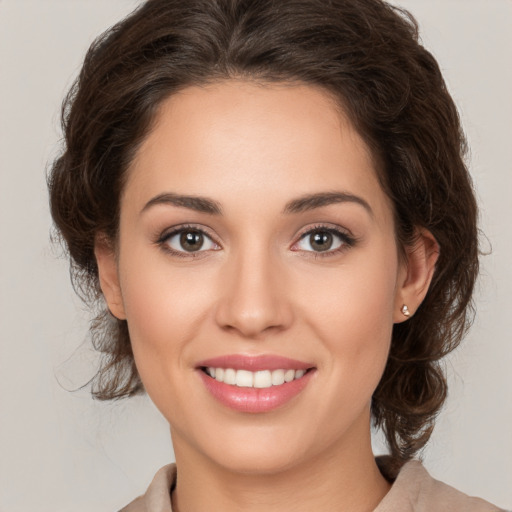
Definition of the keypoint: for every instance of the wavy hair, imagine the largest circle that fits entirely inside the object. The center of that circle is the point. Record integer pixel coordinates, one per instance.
(367, 55)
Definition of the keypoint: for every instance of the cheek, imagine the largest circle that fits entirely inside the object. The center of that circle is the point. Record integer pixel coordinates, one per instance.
(164, 310)
(351, 311)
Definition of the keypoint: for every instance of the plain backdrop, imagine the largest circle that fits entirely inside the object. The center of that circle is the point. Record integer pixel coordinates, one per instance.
(62, 451)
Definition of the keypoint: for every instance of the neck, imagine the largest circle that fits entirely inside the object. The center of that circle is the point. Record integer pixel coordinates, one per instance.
(345, 478)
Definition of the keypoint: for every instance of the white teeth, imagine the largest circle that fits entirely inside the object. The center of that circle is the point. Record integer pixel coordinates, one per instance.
(277, 377)
(289, 375)
(230, 376)
(259, 379)
(244, 379)
(263, 379)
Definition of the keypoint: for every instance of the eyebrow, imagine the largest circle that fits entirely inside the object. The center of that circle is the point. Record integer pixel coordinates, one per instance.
(299, 205)
(199, 204)
(312, 201)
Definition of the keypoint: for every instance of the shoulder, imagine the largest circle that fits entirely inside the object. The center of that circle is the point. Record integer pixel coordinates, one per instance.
(414, 490)
(157, 498)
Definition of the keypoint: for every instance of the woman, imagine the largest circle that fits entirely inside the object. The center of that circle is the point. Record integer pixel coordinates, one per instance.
(271, 199)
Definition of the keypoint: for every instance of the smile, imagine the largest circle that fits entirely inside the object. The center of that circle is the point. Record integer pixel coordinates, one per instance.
(259, 379)
(254, 384)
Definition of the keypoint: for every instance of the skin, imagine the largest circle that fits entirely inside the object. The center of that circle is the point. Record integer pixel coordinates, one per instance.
(260, 288)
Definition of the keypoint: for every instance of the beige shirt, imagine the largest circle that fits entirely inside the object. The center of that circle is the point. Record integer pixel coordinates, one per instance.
(414, 490)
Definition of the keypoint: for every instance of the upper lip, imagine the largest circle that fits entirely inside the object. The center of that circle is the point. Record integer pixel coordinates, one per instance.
(255, 363)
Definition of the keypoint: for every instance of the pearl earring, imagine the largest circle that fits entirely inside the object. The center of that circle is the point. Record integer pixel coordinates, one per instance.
(405, 310)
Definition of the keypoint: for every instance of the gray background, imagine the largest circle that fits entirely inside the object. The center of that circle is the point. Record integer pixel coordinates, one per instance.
(61, 451)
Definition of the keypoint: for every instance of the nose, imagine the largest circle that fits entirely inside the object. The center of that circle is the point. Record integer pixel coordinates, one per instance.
(254, 298)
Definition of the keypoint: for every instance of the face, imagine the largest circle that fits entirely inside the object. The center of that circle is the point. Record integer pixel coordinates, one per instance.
(257, 246)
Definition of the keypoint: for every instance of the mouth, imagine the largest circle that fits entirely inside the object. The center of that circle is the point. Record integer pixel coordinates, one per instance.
(259, 379)
(255, 384)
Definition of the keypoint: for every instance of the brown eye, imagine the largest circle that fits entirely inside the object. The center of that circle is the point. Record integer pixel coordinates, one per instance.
(322, 240)
(189, 241)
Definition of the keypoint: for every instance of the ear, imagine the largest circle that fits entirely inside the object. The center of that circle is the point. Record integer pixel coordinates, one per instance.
(416, 274)
(108, 275)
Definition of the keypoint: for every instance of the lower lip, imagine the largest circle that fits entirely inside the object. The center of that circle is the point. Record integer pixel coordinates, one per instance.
(255, 400)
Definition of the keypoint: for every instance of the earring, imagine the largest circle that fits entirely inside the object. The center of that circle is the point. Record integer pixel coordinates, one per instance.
(405, 310)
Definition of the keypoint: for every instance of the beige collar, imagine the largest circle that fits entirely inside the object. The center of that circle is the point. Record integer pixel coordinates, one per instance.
(413, 490)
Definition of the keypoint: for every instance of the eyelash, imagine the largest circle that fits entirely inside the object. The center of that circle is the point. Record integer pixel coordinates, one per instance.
(164, 238)
(347, 241)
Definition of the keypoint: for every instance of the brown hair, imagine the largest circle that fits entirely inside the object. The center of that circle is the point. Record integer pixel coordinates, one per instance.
(364, 52)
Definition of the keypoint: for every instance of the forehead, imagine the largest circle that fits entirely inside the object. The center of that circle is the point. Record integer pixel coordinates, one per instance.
(266, 141)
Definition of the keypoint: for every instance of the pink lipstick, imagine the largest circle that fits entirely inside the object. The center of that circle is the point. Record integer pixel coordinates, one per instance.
(254, 384)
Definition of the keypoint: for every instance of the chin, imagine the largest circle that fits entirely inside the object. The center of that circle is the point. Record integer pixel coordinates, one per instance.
(258, 461)
(247, 449)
